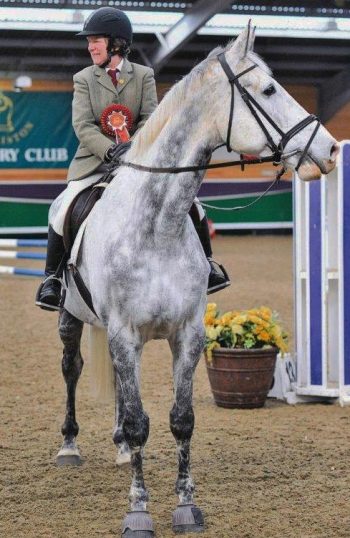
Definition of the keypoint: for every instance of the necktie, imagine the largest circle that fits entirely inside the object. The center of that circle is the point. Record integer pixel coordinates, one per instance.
(113, 73)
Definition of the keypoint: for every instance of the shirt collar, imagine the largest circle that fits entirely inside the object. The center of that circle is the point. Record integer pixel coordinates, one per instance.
(119, 66)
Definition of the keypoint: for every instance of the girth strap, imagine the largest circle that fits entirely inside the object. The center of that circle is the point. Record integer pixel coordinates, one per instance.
(82, 288)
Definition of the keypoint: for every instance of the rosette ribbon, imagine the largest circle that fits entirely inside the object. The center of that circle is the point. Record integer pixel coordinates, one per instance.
(116, 120)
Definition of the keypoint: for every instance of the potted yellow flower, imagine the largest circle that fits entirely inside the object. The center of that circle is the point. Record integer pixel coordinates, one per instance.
(240, 351)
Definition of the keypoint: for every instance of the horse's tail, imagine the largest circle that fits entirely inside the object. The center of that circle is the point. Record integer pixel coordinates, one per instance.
(102, 378)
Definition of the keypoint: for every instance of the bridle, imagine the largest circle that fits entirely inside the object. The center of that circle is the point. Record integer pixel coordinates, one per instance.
(276, 149)
(253, 106)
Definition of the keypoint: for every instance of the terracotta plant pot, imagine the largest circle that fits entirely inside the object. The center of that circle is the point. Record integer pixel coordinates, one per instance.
(241, 378)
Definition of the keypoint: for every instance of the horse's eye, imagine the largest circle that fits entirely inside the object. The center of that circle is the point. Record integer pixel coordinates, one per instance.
(270, 90)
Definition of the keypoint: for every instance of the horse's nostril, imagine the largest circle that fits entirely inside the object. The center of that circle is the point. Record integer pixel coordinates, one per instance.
(334, 150)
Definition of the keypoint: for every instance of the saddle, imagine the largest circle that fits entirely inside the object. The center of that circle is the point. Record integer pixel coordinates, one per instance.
(77, 212)
(80, 208)
(85, 200)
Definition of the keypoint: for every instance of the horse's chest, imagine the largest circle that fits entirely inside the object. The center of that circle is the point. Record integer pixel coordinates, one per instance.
(159, 306)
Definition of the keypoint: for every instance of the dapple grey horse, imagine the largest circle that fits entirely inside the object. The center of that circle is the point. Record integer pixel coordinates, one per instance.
(141, 258)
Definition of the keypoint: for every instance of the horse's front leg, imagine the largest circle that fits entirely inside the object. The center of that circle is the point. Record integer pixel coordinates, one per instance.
(123, 454)
(70, 329)
(186, 347)
(125, 348)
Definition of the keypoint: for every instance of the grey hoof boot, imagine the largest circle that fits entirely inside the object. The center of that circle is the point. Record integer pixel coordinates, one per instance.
(137, 525)
(68, 455)
(187, 518)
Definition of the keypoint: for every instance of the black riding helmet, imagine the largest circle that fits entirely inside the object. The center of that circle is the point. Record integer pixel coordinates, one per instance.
(108, 22)
(112, 23)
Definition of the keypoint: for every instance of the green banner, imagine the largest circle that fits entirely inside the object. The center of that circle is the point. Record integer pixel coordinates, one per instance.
(36, 130)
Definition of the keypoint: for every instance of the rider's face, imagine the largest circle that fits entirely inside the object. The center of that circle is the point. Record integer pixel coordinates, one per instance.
(97, 47)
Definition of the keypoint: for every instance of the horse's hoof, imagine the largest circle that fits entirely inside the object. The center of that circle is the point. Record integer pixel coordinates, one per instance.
(137, 525)
(68, 456)
(187, 518)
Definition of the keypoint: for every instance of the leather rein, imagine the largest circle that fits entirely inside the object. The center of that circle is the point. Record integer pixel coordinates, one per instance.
(276, 149)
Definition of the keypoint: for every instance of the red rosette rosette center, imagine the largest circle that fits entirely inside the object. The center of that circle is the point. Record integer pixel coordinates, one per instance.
(116, 120)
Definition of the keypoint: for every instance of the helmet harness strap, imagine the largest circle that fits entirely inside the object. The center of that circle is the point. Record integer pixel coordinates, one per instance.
(110, 52)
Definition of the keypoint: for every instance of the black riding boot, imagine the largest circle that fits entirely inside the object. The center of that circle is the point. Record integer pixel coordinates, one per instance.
(218, 277)
(48, 296)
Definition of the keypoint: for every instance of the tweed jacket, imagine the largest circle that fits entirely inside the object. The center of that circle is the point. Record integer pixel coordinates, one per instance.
(93, 92)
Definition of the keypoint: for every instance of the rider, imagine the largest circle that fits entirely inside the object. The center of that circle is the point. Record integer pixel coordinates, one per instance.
(109, 34)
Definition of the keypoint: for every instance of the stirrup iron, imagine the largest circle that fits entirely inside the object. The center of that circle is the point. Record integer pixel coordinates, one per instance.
(48, 306)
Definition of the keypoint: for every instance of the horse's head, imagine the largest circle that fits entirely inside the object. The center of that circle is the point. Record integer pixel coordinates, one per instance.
(265, 117)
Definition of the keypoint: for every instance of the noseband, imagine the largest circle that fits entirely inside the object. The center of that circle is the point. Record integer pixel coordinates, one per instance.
(253, 106)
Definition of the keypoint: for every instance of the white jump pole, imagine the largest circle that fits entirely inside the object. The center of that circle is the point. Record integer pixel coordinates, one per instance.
(15, 243)
(24, 255)
(322, 284)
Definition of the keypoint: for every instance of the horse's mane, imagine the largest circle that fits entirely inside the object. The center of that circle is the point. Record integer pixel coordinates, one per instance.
(175, 97)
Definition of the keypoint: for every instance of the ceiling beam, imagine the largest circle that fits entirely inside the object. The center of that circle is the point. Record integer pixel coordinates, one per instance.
(200, 13)
(287, 65)
(333, 95)
(319, 50)
(204, 47)
(186, 63)
(279, 58)
(42, 44)
(312, 66)
(22, 62)
(169, 77)
(313, 80)
(61, 75)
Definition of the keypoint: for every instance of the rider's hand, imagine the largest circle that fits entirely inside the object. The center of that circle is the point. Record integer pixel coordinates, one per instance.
(114, 152)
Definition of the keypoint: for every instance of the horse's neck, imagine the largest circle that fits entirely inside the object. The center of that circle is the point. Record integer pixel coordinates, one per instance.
(185, 141)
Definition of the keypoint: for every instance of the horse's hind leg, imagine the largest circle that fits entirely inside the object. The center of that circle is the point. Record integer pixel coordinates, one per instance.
(186, 347)
(125, 348)
(70, 329)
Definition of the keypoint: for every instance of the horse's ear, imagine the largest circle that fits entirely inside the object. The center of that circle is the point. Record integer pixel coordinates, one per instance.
(252, 38)
(244, 42)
